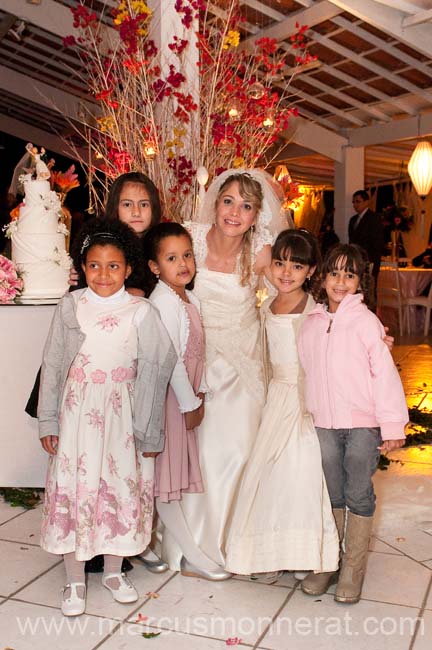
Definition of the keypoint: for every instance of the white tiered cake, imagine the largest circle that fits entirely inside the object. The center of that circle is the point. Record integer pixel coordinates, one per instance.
(38, 243)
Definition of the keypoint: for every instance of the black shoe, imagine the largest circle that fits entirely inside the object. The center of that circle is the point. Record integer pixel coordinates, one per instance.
(96, 565)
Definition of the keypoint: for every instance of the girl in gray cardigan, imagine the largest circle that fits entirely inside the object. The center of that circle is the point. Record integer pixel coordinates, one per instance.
(106, 365)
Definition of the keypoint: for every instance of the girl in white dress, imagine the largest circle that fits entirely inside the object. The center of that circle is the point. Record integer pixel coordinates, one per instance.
(283, 518)
(239, 219)
(106, 366)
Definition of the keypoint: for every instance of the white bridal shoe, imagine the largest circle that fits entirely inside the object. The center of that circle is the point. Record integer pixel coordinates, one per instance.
(73, 605)
(192, 571)
(124, 592)
(154, 566)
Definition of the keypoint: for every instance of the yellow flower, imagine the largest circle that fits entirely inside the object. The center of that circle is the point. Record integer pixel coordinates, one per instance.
(238, 161)
(105, 123)
(131, 9)
(232, 39)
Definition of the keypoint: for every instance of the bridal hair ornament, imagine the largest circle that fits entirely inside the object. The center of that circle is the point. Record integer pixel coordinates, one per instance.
(271, 219)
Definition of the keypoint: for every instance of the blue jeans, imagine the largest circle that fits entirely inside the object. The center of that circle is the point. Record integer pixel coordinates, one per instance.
(350, 458)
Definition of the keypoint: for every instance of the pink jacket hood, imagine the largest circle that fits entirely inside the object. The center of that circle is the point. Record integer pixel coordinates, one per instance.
(351, 379)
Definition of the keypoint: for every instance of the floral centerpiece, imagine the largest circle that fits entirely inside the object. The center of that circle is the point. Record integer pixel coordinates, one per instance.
(11, 283)
(396, 220)
(150, 116)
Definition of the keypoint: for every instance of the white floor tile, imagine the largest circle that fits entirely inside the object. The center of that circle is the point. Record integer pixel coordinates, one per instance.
(415, 543)
(379, 546)
(429, 600)
(395, 579)
(20, 564)
(25, 528)
(424, 634)
(233, 608)
(129, 637)
(7, 512)
(32, 627)
(320, 623)
(46, 591)
(404, 498)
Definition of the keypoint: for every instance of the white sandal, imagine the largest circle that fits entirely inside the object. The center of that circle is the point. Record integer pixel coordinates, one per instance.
(74, 605)
(125, 592)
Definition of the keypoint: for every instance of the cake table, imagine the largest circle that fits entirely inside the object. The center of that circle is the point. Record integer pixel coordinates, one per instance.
(23, 330)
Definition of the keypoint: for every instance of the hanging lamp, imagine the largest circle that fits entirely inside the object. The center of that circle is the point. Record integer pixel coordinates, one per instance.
(420, 171)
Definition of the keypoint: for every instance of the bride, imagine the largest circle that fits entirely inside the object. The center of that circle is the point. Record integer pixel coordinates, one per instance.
(239, 219)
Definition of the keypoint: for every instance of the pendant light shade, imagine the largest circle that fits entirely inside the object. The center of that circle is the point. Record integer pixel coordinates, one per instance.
(420, 168)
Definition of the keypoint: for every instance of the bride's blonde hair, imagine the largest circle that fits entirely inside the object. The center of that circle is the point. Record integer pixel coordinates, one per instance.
(250, 190)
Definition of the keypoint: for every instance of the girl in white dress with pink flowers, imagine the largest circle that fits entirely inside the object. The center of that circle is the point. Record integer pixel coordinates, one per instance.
(106, 366)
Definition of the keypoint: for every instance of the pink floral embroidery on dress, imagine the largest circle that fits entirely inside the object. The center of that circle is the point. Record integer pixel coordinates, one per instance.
(81, 468)
(96, 419)
(129, 441)
(113, 466)
(132, 371)
(84, 300)
(119, 374)
(77, 374)
(116, 401)
(108, 322)
(98, 376)
(65, 464)
(82, 359)
(70, 399)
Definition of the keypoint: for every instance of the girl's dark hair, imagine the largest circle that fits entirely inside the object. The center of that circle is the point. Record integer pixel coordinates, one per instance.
(299, 245)
(135, 178)
(353, 259)
(103, 232)
(151, 244)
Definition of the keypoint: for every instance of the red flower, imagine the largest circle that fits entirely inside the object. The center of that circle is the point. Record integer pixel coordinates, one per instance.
(69, 41)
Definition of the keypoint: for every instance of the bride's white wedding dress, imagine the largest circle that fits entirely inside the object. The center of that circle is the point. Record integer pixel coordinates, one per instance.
(233, 412)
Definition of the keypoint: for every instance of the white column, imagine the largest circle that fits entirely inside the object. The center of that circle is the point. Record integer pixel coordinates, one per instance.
(348, 178)
(165, 23)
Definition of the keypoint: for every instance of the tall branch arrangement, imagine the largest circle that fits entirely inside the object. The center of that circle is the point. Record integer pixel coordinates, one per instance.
(149, 117)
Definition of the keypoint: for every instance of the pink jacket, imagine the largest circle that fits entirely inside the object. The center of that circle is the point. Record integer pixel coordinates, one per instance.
(351, 380)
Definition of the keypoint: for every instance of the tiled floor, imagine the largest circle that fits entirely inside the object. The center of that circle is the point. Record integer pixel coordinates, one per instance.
(395, 611)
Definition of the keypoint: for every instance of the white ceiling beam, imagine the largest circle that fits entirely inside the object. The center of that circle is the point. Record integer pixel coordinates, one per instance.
(316, 138)
(417, 19)
(263, 9)
(411, 127)
(315, 118)
(28, 133)
(400, 103)
(389, 19)
(312, 99)
(43, 94)
(370, 65)
(310, 16)
(49, 16)
(383, 45)
(370, 110)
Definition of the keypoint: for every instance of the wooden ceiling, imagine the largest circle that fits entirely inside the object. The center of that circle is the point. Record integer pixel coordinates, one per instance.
(371, 85)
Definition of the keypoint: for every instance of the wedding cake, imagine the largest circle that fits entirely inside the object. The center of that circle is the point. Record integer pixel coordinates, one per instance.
(38, 242)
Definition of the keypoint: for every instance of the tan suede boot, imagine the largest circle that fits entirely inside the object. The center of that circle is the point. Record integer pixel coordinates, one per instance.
(316, 584)
(353, 567)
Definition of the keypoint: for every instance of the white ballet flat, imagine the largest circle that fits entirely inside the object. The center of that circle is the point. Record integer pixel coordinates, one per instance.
(125, 592)
(154, 566)
(74, 605)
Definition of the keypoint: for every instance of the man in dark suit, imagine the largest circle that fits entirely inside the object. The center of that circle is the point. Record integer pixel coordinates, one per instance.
(366, 230)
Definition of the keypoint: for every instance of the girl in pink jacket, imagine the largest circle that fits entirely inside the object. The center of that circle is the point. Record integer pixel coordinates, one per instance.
(355, 395)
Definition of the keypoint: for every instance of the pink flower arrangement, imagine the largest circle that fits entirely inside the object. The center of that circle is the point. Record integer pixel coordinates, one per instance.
(11, 283)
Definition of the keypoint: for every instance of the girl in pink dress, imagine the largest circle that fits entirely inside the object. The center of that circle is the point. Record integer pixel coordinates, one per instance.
(171, 270)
